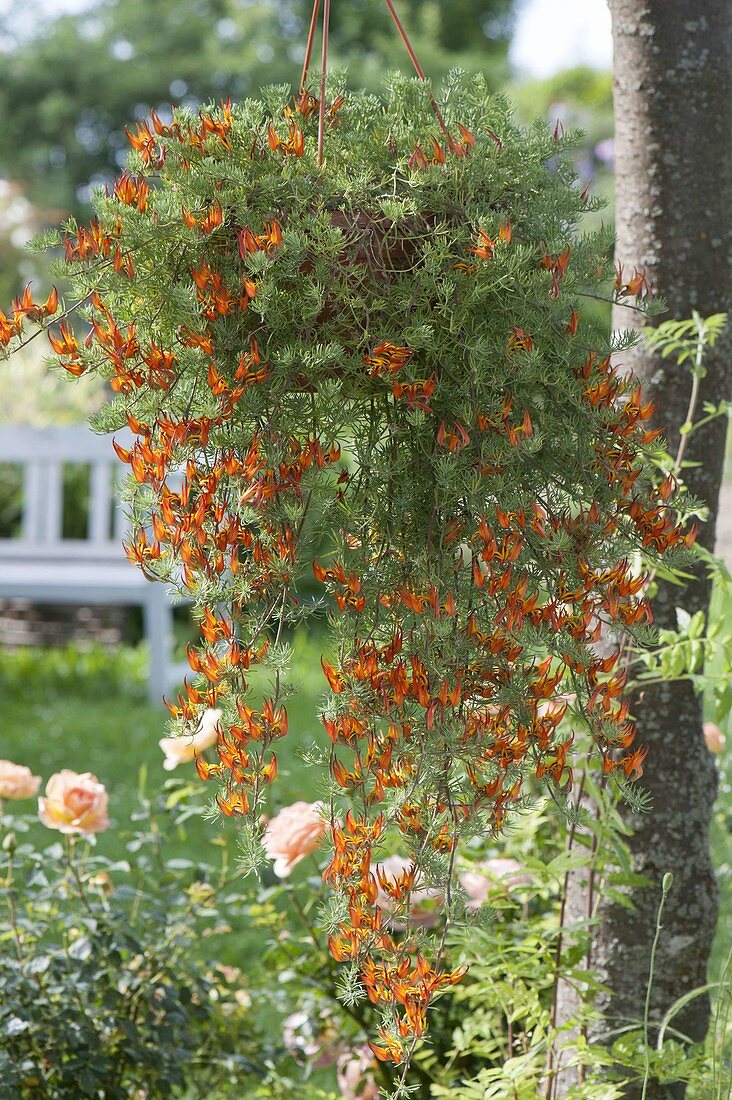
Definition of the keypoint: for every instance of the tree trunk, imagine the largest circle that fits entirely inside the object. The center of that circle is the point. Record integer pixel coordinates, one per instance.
(673, 109)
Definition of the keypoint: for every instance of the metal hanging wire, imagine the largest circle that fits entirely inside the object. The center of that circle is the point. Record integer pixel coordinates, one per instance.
(309, 46)
(324, 67)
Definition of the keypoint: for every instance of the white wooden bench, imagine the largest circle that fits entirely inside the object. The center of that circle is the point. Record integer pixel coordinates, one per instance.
(43, 566)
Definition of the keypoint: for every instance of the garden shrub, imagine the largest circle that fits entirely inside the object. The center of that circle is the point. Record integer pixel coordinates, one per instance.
(104, 991)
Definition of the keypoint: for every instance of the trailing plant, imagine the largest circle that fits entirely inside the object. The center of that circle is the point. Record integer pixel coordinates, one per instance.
(363, 317)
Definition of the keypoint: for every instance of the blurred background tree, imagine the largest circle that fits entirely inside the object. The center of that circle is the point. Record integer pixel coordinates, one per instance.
(68, 85)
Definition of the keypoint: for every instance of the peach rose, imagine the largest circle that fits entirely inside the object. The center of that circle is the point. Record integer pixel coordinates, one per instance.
(74, 803)
(493, 876)
(354, 1079)
(424, 901)
(180, 750)
(17, 781)
(714, 738)
(292, 834)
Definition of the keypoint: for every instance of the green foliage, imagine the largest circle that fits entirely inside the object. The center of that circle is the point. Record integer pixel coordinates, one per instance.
(486, 481)
(32, 394)
(701, 648)
(54, 674)
(103, 992)
(581, 95)
(482, 331)
(688, 339)
(372, 250)
(680, 653)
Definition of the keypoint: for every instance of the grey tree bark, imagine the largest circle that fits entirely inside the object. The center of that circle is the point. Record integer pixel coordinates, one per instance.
(673, 108)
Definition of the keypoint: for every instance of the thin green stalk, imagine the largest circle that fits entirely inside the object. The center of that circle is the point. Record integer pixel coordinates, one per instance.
(75, 874)
(9, 847)
(696, 377)
(668, 879)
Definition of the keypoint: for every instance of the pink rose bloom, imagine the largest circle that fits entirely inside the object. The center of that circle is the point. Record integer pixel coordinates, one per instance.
(17, 781)
(714, 738)
(298, 1036)
(180, 750)
(420, 910)
(292, 834)
(74, 803)
(494, 876)
(310, 1038)
(353, 1076)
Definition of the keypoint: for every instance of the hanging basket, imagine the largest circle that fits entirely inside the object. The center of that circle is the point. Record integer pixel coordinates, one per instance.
(359, 324)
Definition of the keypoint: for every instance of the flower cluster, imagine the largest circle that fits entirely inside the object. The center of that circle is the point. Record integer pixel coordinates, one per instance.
(378, 372)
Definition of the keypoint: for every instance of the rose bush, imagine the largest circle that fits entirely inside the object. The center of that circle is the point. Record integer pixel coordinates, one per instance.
(355, 1075)
(105, 989)
(497, 875)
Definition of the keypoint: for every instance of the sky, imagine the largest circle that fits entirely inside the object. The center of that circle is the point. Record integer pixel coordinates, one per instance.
(551, 35)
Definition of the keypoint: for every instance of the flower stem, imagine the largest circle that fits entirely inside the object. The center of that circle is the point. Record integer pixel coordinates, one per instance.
(74, 872)
(668, 879)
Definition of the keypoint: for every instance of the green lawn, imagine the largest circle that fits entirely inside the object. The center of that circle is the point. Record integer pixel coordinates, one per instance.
(88, 711)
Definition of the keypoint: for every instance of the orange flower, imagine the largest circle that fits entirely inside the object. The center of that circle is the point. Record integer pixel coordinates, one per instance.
(557, 265)
(519, 341)
(334, 678)
(132, 191)
(387, 357)
(485, 247)
(397, 881)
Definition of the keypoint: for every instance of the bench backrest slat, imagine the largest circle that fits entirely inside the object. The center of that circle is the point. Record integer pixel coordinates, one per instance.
(100, 503)
(42, 492)
(76, 443)
(32, 501)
